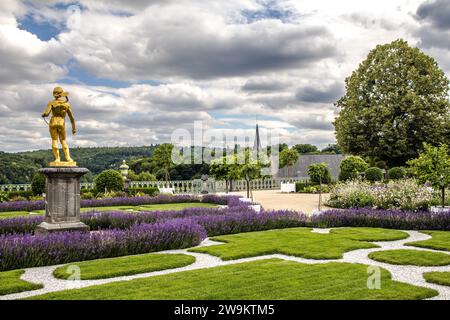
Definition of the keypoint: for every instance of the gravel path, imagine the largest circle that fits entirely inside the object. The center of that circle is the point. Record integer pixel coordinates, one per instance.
(407, 274)
(276, 200)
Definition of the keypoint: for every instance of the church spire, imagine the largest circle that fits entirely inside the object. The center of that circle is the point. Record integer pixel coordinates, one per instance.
(257, 144)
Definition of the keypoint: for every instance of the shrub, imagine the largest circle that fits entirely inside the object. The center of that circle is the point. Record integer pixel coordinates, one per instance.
(19, 195)
(3, 196)
(56, 248)
(300, 186)
(396, 173)
(351, 194)
(303, 188)
(374, 174)
(351, 166)
(86, 195)
(108, 180)
(399, 194)
(319, 173)
(38, 184)
(381, 164)
(150, 191)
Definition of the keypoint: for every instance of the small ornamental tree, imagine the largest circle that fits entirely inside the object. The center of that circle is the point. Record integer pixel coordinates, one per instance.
(38, 184)
(109, 180)
(225, 168)
(433, 166)
(319, 173)
(351, 166)
(288, 157)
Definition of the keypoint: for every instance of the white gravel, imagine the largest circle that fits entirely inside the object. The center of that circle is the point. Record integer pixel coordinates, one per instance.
(407, 274)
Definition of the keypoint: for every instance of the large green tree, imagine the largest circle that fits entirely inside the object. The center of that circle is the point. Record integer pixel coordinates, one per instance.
(396, 100)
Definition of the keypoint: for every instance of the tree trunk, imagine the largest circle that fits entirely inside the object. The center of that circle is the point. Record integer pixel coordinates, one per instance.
(443, 196)
(248, 188)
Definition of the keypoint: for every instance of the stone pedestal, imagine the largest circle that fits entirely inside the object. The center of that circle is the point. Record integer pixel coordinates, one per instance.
(62, 200)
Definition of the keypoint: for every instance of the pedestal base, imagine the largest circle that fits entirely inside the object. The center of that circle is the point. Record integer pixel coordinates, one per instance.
(62, 164)
(46, 227)
(62, 200)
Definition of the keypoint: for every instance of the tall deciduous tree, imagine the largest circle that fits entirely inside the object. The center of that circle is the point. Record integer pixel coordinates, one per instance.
(396, 100)
(162, 159)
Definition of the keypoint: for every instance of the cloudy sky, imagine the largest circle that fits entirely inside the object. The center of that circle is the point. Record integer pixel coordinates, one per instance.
(137, 70)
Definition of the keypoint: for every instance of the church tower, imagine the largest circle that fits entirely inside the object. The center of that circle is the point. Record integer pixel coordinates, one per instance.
(257, 144)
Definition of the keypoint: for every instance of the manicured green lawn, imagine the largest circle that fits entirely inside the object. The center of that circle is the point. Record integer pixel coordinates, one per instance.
(442, 278)
(440, 241)
(124, 266)
(300, 242)
(175, 206)
(12, 214)
(10, 282)
(411, 257)
(261, 280)
(151, 207)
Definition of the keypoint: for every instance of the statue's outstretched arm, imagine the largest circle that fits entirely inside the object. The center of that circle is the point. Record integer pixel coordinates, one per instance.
(47, 110)
(72, 119)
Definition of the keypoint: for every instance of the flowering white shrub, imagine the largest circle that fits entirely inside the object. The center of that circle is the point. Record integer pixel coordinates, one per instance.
(406, 194)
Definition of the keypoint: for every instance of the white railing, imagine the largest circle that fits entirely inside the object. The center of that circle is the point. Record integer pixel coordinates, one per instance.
(187, 186)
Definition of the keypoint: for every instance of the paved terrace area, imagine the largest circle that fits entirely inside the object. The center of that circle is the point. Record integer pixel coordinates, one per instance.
(275, 200)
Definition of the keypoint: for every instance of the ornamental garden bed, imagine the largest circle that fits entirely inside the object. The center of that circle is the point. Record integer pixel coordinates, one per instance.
(29, 206)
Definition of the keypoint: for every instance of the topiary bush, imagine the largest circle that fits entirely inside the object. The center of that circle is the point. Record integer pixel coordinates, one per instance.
(374, 174)
(396, 173)
(38, 184)
(108, 180)
(351, 166)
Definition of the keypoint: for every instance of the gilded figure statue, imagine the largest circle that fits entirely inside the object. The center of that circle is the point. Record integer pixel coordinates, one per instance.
(59, 107)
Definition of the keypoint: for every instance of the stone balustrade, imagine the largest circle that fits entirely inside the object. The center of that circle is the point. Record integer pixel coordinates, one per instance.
(186, 186)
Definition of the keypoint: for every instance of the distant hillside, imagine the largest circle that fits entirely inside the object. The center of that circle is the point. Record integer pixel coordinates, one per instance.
(20, 167)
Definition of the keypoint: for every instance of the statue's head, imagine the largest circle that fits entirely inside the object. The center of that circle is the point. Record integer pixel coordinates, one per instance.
(58, 92)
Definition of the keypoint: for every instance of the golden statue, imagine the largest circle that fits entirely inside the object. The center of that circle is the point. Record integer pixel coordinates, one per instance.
(59, 107)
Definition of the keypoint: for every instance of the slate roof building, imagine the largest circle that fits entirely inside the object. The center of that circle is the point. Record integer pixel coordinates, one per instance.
(301, 167)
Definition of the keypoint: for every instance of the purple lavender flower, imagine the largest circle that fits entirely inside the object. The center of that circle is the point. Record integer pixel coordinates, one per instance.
(22, 251)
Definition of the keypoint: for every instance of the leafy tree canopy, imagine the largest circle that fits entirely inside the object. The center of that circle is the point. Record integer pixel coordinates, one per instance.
(396, 100)
(433, 166)
(305, 148)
